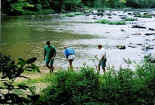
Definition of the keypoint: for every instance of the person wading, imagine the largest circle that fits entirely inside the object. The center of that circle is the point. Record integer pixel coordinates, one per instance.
(70, 55)
(49, 55)
(101, 56)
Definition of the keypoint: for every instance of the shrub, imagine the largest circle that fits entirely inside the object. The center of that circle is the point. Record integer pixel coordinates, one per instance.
(105, 21)
(10, 71)
(130, 19)
(86, 87)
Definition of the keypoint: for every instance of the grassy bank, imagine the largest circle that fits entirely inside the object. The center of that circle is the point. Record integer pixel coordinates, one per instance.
(86, 87)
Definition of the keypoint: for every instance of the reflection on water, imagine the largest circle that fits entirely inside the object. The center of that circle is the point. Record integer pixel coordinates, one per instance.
(25, 36)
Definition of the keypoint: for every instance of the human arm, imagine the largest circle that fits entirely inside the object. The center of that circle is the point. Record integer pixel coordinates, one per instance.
(44, 53)
(65, 53)
(55, 52)
(103, 55)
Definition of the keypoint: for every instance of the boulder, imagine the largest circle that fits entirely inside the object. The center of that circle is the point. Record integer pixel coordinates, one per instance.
(151, 29)
(122, 30)
(139, 44)
(122, 47)
(137, 34)
(132, 46)
(138, 26)
(148, 34)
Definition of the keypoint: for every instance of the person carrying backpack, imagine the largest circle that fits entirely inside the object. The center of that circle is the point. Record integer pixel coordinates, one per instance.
(70, 55)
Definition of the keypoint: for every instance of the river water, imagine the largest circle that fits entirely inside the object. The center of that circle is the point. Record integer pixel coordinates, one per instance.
(25, 36)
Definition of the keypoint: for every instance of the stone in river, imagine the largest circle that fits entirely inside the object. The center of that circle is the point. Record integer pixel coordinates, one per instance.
(132, 46)
(138, 26)
(148, 34)
(122, 47)
(137, 34)
(151, 29)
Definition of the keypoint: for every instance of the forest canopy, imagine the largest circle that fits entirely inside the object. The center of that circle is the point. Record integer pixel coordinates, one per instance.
(21, 7)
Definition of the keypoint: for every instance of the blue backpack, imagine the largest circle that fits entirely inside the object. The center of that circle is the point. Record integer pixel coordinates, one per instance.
(69, 51)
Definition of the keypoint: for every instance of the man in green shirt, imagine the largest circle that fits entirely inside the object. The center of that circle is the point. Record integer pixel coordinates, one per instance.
(49, 55)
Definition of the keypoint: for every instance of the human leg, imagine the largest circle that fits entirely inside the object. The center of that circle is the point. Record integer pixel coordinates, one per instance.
(47, 61)
(104, 65)
(51, 65)
(70, 64)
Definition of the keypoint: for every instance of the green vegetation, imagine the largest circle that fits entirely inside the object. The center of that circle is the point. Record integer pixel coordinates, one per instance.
(22, 7)
(105, 21)
(9, 72)
(72, 14)
(143, 15)
(82, 87)
(86, 87)
(130, 19)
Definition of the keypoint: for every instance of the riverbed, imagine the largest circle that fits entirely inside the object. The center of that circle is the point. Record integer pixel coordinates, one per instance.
(25, 36)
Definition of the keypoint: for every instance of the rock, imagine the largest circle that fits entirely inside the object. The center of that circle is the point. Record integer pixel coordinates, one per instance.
(122, 30)
(147, 48)
(129, 13)
(148, 34)
(87, 14)
(138, 26)
(132, 46)
(122, 47)
(137, 34)
(99, 14)
(151, 29)
(123, 17)
(109, 14)
(110, 17)
(139, 44)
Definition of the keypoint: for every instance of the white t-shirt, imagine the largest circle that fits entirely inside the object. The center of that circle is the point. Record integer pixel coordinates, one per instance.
(100, 53)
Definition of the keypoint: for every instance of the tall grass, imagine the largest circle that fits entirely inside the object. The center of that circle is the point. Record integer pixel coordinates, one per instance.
(86, 87)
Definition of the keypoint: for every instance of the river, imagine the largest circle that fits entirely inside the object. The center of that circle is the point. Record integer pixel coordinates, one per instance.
(25, 36)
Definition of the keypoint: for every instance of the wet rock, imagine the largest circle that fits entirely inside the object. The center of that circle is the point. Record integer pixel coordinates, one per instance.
(122, 30)
(149, 47)
(151, 29)
(110, 17)
(148, 34)
(123, 17)
(139, 44)
(108, 14)
(129, 13)
(100, 10)
(137, 34)
(132, 46)
(138, 26)
(87, 14)
(99, 14)
(146, 48)
(122, 47)
(114, 14)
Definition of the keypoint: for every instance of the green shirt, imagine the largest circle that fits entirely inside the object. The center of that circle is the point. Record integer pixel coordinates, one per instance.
(50, 51)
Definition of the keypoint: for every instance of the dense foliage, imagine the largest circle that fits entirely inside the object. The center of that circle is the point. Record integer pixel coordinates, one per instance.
(9, 72)
(20, 7)
(85, 87)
